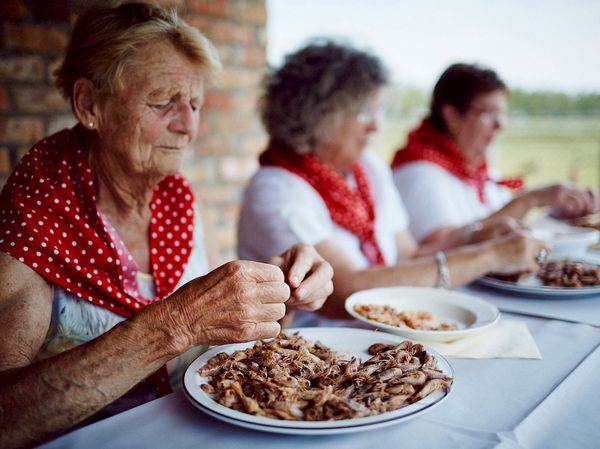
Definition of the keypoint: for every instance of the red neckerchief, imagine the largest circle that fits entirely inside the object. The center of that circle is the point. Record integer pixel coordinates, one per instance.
(352, 209)
(426, 143)
(49, 221)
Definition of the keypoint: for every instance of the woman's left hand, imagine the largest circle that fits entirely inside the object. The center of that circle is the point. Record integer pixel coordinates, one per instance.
(308, 275)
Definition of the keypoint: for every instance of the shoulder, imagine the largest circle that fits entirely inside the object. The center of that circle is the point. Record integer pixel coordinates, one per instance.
(272, 185)
(424, 174)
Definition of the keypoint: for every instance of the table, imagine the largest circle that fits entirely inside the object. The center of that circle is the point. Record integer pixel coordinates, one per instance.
(495, 403)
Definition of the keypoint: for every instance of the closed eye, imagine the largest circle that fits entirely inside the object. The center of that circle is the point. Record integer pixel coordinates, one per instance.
(160, 106)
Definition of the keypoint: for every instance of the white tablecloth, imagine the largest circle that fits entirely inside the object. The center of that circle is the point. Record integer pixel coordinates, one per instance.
(497, 403)
(580, 309)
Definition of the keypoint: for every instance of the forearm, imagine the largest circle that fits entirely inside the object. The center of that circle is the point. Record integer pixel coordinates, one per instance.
(465, 264)
(443, 239)
(518, 207)
(61, 391)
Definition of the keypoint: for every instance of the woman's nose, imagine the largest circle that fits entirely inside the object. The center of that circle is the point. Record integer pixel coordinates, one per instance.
(185, 120)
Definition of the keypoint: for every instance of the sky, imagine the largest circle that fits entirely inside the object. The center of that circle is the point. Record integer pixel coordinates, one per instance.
(532, 44)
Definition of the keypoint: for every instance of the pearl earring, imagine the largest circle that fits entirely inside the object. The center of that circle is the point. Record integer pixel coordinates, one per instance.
(91, 124)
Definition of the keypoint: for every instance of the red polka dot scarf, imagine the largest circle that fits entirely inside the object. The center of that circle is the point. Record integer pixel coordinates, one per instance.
(426, 143)
(49, 221)
(351, 208)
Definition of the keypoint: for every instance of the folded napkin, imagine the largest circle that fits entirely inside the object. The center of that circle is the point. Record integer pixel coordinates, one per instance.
(507, 339)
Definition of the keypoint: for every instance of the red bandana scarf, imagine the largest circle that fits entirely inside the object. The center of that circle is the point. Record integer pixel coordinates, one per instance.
(352, 209)
(49, 221)
(426, 143)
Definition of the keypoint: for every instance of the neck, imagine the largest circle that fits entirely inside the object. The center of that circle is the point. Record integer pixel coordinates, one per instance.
(332, 161)
(120, 193)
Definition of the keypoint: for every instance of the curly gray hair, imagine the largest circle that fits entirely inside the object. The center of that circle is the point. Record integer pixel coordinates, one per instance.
(313, 87)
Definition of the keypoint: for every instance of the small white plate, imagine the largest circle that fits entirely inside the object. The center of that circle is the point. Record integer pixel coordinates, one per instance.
(349, 341)
(470, 314)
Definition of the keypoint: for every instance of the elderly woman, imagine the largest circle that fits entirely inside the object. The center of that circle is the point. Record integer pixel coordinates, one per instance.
(318, 185)
(101, 245)
(443, 175)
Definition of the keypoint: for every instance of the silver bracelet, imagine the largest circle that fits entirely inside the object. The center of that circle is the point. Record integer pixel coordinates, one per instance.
(469, 230)
(443, 271)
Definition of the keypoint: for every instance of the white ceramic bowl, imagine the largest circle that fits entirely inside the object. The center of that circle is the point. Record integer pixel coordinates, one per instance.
(569, 242)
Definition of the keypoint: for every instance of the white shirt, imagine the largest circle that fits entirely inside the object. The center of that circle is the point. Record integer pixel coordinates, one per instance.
(435, 198)
(281, 209)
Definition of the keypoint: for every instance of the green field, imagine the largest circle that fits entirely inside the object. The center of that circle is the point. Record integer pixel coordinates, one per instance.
(545, 150)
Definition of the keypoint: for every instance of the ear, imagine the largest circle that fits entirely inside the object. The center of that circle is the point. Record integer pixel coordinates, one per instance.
(84, 103)
(451, 118)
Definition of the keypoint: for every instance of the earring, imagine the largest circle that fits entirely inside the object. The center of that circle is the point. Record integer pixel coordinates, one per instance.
(91, 124)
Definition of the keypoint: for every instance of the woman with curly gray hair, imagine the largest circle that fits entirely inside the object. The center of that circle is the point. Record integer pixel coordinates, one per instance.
(318, 185)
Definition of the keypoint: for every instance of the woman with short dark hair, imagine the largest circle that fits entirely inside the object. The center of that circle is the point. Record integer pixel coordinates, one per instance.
(452, 196)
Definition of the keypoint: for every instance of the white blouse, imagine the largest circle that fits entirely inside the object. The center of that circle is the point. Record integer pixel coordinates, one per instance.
(281, 209)
(435, 198)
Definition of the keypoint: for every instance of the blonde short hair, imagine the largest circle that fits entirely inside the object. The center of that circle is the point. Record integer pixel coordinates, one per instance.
(105, 41)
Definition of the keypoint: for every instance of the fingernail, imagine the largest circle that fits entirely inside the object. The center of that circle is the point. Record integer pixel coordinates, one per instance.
(295, 280)
(301, 292)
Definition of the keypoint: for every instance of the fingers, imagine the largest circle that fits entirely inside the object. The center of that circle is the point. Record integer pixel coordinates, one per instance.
(253, 271)
(239, 301)
(244, 333)
(297, 262)
(272, 292)
(309, 275)
(318, 283)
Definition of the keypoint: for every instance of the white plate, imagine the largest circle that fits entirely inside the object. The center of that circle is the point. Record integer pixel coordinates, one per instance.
(469, 313)
(532, 285)
(353, 342)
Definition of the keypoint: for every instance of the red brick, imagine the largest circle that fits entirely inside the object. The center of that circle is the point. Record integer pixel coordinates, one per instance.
(216, 8)
(252, 11)
(22, 68)
(202, 169)
(35, 37)
(3, 100)
(40, 99)
(5, 167)
(237, 169)
(21, 130)
(13, 9)
(254, 145)
(234, 77)
(213, 144)
(246, 102)
(218, 100)
(253, 56)
(60, 121)
(220, 31)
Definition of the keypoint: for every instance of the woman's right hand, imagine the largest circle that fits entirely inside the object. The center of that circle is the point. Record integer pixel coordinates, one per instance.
(239, 301)
(518, 252)
(566, 200)
(495, 227)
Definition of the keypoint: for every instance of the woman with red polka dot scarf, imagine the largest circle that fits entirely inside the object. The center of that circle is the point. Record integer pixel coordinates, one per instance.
(105, 283)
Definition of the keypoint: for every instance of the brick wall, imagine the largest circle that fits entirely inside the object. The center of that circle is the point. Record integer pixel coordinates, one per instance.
(33, 36)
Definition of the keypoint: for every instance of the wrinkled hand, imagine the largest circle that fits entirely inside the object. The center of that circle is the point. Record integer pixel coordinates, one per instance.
(308, 275)
(496, 227)
(519, 252)
(239, 301)
(569, 201)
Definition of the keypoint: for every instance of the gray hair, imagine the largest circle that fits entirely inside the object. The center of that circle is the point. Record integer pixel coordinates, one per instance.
(313, 87)
(106, 40)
